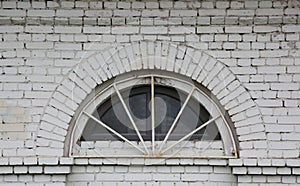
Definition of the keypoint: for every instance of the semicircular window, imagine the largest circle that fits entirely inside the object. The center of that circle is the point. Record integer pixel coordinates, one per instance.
(151, 115)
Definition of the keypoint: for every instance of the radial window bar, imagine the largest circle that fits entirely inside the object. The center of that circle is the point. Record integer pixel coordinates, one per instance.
(131, 119)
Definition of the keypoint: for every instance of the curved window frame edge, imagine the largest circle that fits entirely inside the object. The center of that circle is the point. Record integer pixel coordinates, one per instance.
(77, 125)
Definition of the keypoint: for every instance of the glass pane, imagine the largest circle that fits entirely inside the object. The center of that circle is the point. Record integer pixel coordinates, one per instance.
(138, 107)
(168, 102)
(165, 114)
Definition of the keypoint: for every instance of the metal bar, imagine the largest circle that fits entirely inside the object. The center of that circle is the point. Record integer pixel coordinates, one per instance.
(191, 133)
(130, 118)
(152, 114)
(177, 118)
(113, 131)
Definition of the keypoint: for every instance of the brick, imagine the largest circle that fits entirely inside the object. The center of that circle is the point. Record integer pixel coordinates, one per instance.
(69, 13)
(23, 4)
(98, 30)
(154, 30)
(250, 162)
(81, 161)
(279, 128)
(291, 11)
(266, 29)
(15, 161)
(11, 144)
(238, 29)
(242, 107)
(245, 54)
(291, 137)
(210, 29)
(68, 46)
(232, 95)
(203, 20)
(254, 170)
(48, 161)
(6, 170)
(137, 177)
(296, 171)
(11, 29)
(39, 29)
(39, 45)
(235, 162)
(269, 170)
(110, 5)
(249, 121)
(4, 161)
(122, 13)
(288, 119)
(40, 13)
(239, 170)
(291, 28)
(217, 162)
(38, 5)
(46, 151)
(244, 70)
(165, 4)
(278, 162)
(284, 86)
(232, 12)
(125, 30)
(110, 177)
(274, 53)
(182, 13)
(284, 170)
(268, 12)
(194, 177)
(11, 94)
(52, 4)
(211, 12)
(11, 45)
(30, 161)
(283, 145)
(70, 104)
(181, 30)
(65, 29)
(166, 177)
(37, 94)
(152, 5)
(155, 13)
(35, 169)
(98, 13)
(57, 170)
(264, 162)
(20, 169)
(13, 13)
(269, 103)
(271, 69)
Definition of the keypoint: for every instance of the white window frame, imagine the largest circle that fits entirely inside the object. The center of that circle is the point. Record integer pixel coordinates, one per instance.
(169, 79)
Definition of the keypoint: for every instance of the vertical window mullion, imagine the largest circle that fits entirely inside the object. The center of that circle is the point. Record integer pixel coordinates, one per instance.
(152, 115)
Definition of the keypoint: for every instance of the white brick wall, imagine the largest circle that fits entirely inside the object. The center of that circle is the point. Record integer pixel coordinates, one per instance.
(253, 49)
(161, 175)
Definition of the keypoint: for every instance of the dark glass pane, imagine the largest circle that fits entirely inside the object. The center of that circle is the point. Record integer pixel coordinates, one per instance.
(170, 108)
(138, 105)
(168, 102)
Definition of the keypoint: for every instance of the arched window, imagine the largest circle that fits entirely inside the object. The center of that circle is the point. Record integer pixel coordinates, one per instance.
(151, 114)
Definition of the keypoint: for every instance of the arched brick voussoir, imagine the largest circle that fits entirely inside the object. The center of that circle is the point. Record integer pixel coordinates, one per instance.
(167, 56)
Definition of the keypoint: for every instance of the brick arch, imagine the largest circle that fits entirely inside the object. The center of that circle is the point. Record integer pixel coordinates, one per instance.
(187, 61)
